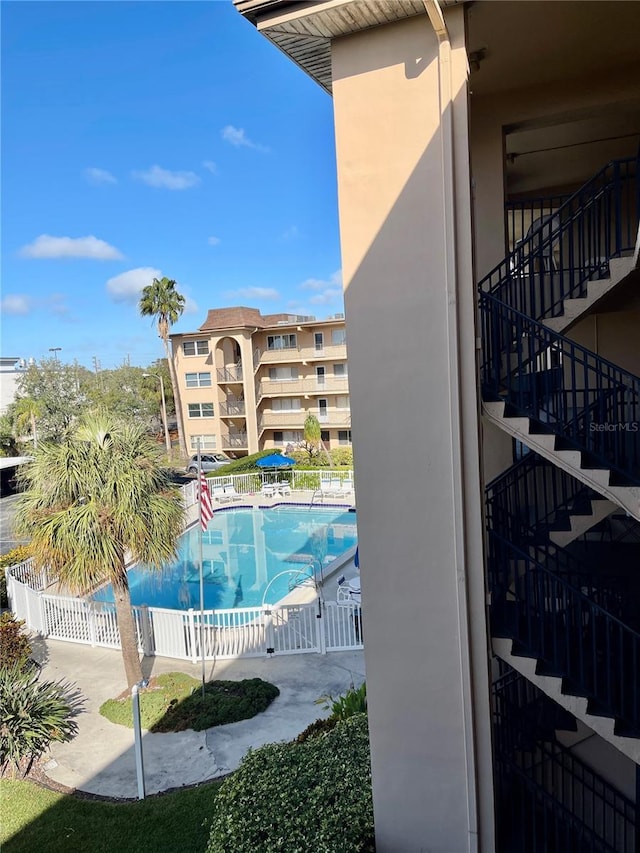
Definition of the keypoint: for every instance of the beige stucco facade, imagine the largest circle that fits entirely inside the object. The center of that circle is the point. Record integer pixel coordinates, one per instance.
(248, 381)
(445, 115)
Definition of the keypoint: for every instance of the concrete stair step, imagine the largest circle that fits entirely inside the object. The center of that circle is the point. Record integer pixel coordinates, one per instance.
(574, 308)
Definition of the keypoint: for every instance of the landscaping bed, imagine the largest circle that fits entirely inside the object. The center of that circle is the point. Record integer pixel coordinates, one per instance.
(173, 702)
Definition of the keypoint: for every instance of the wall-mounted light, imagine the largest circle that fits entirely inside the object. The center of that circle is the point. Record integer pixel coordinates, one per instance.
(476, 57)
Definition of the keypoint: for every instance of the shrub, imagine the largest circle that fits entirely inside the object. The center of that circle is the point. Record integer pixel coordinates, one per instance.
(15, 648)
(354, 701)
(16, 555)
(225, 702)
(300, 797)
(317, 728)
(34, 714)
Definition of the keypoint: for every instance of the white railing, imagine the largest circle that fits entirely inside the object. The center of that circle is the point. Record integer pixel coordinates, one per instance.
(233, 633)
(249, 484)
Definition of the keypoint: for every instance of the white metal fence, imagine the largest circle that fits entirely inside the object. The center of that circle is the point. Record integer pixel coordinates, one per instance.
(250, 484)
(242, 632)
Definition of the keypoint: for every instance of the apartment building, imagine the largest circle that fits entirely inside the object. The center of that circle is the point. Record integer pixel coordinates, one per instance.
(248, 381)
(487, 169)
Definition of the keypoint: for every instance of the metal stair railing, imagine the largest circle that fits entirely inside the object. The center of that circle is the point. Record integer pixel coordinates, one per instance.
(570, 635)
(538, 494)
(565, 388)
(571, 245)
(579, 806)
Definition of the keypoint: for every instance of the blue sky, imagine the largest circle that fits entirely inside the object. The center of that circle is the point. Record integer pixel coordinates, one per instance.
(143, 139)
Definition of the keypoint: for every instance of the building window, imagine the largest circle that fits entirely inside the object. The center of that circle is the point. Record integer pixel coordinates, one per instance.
(318, 339)
(195, 347)
(281, 342)
(340, 370)
(283, 374)
(325, 436)
(338, 337)
(207, 442)
(344, 436)
(200, 410)
(286, 405)
(342, 401)
(198, 380)
(287, 436)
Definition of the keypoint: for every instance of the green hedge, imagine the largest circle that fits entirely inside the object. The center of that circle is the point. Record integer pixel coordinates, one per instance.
(300, 797)
(11, 558)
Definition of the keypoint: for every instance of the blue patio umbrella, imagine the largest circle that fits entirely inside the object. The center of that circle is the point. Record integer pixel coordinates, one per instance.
(275, 460)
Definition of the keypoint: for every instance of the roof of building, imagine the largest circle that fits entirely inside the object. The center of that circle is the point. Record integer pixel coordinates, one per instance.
(233, 318)
(241, 317)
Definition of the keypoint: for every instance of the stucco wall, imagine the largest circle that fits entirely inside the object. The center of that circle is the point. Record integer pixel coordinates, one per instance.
(409, 459)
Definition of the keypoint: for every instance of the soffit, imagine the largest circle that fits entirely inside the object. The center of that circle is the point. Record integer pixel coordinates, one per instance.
(304, 30)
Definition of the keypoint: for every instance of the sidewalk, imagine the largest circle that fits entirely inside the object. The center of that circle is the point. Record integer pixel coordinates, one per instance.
(100, 759)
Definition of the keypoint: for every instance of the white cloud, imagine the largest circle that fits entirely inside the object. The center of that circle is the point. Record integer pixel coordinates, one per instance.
(46, 246)
(254, 293)
(99, 176)
(210, 166)
(156, 176)
(214, 241)
(326, 291)
(334, 280)
(291, 233)
(16, 303)
(236, 136)
(128, 286)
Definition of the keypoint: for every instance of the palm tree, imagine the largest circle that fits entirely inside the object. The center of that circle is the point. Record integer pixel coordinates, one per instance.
(94, 500)
(26, 412)
(161, 300)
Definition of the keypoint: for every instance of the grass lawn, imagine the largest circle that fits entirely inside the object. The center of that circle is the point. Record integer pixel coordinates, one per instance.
(173, 703)
(34, 818)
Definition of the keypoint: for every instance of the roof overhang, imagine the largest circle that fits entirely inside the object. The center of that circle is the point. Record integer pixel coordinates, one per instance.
(304, 30)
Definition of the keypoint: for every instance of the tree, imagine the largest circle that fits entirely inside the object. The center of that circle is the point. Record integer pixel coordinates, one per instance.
(26, 412)
(313, 438)
(161, 300)
(58, 390)
(93, 499)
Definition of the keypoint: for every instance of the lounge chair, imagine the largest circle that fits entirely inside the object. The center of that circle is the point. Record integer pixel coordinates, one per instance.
(268, 491)
(328, 488)
(218, 494)
(284, 489)
(230, 492)
(346, 488)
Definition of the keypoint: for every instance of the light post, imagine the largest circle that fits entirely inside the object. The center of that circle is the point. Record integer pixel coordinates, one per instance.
(167, 438)
(55, 351)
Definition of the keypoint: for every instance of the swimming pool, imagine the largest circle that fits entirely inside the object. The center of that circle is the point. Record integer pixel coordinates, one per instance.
(243, 550)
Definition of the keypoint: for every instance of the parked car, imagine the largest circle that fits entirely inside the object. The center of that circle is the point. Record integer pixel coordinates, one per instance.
(210, 462)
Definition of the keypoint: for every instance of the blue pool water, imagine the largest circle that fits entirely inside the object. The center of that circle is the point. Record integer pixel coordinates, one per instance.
(243, 549)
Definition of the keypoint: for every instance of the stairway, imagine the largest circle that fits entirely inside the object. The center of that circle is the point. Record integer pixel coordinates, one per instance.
(549, 799)
(566, 629)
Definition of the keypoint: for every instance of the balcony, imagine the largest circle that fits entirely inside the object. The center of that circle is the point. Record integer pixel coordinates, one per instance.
(234, 441)
(337, 418)
(307, 385)
(232, 410)
(233, 373)
(298, 354)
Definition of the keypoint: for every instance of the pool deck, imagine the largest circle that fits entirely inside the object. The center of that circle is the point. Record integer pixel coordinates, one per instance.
(101, 760)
